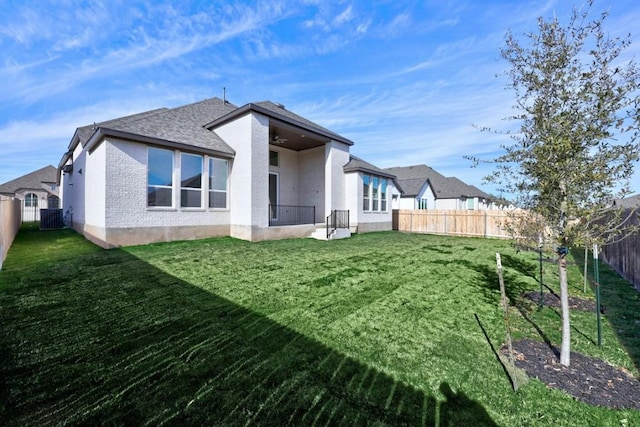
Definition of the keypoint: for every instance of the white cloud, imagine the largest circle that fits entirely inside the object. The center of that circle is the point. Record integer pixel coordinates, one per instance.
(345, 16)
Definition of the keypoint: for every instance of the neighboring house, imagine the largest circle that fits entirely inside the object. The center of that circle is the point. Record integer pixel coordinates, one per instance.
(425, 188)
(255, 172)
(629, 202)
(37, 190)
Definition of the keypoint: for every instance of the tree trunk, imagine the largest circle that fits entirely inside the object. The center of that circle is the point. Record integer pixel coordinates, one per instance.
(565, 349)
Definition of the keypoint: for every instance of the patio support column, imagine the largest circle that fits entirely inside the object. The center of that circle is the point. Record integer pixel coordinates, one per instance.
(336, 156)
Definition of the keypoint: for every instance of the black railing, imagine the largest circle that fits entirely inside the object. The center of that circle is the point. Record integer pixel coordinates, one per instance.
(337, 219)
(291, 215)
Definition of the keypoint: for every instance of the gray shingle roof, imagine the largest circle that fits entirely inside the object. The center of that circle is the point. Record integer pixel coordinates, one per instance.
(183, 125)
(413, 178)
(356, 164)
(188, 126)
(85, 132)
(628, 202)
(31, 180)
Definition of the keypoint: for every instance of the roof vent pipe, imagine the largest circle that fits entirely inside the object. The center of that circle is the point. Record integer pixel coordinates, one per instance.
(224, 94)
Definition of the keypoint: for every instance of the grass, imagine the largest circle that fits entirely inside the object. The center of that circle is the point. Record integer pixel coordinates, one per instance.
(382, 329)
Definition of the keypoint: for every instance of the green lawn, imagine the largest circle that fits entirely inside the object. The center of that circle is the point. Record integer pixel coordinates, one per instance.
(380, 329)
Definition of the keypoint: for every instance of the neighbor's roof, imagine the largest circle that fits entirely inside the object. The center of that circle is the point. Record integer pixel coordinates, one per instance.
(628, 202)
(31, 180)
(413, 178)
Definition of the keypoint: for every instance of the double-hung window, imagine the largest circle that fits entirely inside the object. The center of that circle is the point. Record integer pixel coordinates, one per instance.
(159, 177)
(366, 192)
(374, 193)
(218, 177)
(191, 180)
(383, 194)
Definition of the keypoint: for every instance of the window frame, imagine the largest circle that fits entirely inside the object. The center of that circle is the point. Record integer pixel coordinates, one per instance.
(192, 189)
(276, 156)
(366, 192)
(160, 186)
(375, 193)
(31, 200)
(211, 190)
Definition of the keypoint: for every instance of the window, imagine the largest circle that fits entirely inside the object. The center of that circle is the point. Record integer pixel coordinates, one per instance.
(366, 188)
(31, 200)
(374, 193)
(422, 204)
(274, 159)
(218, 177)
(159, 177)
(470, 203)
(53, 202)
(383, 194)
(190, 181)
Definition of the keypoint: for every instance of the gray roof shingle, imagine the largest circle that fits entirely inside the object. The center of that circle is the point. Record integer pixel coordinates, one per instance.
(356, 164)
(628, 202)
(183, 125)
(31, 180)
(413, 178)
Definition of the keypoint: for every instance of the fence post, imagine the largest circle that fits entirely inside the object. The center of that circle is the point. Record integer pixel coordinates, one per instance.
(446, 225)
(486, 224)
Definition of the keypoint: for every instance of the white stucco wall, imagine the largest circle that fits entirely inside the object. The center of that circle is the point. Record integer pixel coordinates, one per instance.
(95, 183)
(74, 190)
(287, 171)
(311, 180)
(407, 203)
(336, 156)
(126, 192)
(366, 221)
(447, 204)
(249, 206)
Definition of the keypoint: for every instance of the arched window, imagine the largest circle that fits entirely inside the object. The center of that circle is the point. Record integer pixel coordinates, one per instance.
(53, 202)
(31, 200)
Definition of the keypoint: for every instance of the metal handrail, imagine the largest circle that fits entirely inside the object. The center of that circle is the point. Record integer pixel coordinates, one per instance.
(337, 219)
(291, 215)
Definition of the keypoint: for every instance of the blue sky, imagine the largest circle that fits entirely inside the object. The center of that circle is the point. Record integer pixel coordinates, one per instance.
(405, 80)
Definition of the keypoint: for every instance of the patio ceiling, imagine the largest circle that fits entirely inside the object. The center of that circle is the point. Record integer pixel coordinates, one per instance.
(294, 138)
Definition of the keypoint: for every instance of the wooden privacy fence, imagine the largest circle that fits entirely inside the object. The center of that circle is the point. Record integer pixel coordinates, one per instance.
(453, 222)
(624, 256)
(10, 219)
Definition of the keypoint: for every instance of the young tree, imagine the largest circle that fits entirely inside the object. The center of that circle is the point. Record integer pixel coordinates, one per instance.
(578, 109)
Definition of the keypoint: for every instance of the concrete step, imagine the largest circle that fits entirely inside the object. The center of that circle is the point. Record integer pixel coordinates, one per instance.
(339, 233)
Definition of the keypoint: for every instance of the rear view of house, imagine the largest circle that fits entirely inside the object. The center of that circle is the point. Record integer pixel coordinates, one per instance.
(256, 172)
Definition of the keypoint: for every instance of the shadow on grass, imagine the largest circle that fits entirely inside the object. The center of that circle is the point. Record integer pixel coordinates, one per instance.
(622, 303)
(495, 352)
(122, 342)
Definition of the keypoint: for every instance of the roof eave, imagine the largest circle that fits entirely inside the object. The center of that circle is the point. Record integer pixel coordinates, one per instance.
(101, 133)
(348, 169)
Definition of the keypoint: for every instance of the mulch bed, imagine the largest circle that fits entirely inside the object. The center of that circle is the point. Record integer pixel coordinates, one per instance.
(553, 300)
(588, 379)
